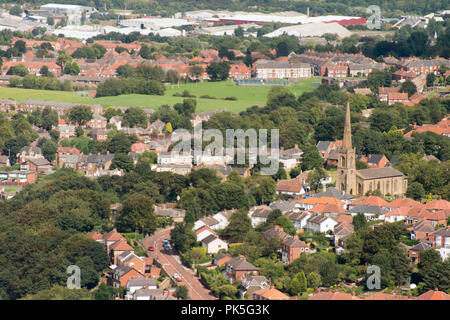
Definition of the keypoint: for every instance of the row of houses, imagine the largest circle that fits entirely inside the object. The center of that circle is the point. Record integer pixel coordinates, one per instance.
(137, 274)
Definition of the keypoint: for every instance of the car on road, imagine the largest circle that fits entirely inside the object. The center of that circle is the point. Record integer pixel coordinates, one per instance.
(177, 277)
(151, 249)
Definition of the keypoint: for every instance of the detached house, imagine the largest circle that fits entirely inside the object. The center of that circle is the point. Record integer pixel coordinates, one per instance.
(250, 284)
(122, 274)
(213, 244)
(237, 268)
(320, 223)
(97, 122)
(292, 248)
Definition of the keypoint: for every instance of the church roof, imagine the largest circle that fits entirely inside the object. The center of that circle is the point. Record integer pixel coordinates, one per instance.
(378, 173)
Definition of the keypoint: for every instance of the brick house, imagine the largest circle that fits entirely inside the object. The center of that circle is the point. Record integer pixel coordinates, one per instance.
(236, 268)
(97, 122)
(122, 274)
(239, 71)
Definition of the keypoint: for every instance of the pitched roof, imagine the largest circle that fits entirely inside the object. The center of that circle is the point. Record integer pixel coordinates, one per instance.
(327, 208)
(241, 264)
(113, 235)
(434, 295)
(271, 294)
(420, 247)
(333, 296)
(404, 202)
(121, 245)
(423, 226)
(438, 204)
(368, 209)
(377, 173)
(370, 201)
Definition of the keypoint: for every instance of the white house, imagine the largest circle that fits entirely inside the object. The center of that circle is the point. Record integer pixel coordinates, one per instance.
(204, 232)
(299, 219)
(213, 244)
(320, 223)
(140, 282)
(223, 217)
(259, 214)
(168, 158)
(117, 121)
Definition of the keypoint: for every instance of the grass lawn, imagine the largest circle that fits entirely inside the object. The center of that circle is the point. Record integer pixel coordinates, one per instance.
(246, 96)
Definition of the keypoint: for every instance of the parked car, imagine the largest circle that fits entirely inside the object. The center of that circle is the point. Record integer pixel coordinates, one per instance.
(177, 277)
(151, 249)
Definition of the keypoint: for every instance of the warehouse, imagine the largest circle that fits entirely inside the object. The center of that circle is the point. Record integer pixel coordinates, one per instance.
(311, 30)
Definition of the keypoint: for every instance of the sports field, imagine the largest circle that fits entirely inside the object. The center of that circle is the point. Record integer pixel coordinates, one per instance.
(246, 95)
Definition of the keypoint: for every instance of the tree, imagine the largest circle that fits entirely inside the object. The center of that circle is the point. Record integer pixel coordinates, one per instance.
(18, 70)
(359, 221)
(50, 21)
(45, 72)
(122, 161)
(311, 159)
(265, 191)
(409, 87)
(49, 118)
(240, 224)
(195, 72)
(418, 42)
(227, 290)
(315, 177)
(314, 280)
(282, 49)
(168, 128)
(181, 292)
(49, 149)
(298, 284)
(119, 143)
(173, 76)
(16, 11)
(126, 71)
(218, 70)
(428, 259)
(134, 117)
(239, 31)
(330, 37)
(430, 79)
(80, 115)
(182, 237)
(137, 213)
(71, 68)
(415, 191)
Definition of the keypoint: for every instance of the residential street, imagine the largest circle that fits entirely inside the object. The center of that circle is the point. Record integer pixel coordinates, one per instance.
(172, 264)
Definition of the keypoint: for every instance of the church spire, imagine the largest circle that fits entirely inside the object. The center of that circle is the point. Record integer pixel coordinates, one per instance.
(347, 141)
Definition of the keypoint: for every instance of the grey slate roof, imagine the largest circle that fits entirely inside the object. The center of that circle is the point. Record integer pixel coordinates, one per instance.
(332, 192)
(377, 173)
(241, 264)
(368, 209)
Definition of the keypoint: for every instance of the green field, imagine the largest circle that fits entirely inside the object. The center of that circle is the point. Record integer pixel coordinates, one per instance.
(246, 96)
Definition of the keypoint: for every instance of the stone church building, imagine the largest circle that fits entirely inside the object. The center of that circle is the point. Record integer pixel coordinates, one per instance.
(359, 182)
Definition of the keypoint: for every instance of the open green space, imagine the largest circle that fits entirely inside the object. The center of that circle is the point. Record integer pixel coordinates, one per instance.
(246, 95)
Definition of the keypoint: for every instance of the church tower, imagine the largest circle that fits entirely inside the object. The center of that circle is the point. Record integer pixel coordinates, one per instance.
(346, 169)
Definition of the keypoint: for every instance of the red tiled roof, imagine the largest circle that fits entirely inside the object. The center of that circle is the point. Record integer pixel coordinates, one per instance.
(439, 204)
(434, 295)
(370, 201)
(405, 202)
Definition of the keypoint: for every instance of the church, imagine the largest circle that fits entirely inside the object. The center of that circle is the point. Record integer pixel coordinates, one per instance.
(358, 182)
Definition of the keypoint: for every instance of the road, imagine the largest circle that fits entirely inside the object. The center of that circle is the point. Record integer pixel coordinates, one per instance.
(172, 264)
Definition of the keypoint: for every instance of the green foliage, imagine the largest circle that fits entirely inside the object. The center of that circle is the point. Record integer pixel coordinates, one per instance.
(137, 212)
